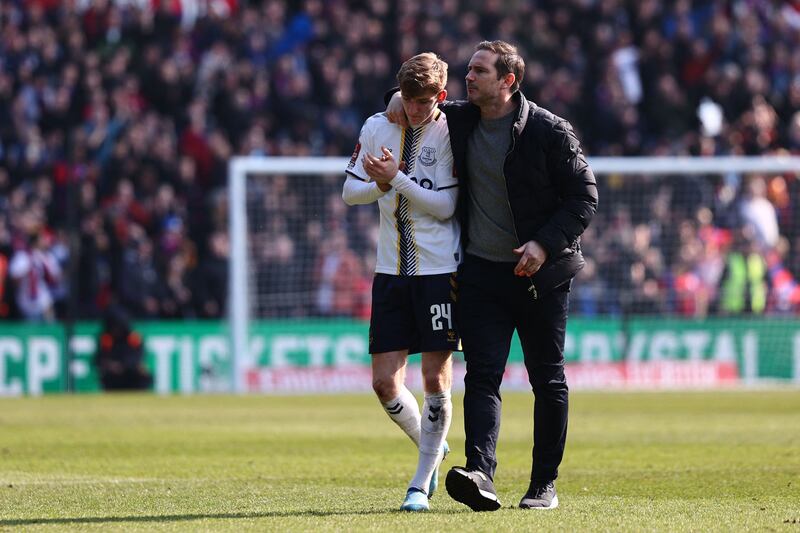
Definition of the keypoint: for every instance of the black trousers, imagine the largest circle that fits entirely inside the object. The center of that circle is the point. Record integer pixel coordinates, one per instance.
(492, 303)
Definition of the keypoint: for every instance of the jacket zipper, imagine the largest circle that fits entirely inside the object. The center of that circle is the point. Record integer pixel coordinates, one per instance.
(532, 288)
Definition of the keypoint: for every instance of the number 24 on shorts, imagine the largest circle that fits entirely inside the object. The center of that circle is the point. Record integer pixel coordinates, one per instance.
(439, 313)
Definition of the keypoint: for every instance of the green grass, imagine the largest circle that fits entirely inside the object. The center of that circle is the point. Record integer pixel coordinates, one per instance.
(683, 461)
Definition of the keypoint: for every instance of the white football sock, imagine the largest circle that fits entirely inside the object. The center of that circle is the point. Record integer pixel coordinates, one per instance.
(437, 412)
(404, 410)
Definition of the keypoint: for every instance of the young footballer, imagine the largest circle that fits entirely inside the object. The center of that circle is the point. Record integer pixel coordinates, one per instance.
(409, 172)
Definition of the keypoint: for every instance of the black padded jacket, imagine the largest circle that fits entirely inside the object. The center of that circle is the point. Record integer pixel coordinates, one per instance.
(552, 191)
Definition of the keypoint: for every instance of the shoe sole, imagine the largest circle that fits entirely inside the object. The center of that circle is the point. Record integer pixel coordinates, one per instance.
(553, 505)
(463, 490)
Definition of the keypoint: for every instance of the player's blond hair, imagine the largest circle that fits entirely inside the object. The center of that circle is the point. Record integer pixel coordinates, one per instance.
(423, 74)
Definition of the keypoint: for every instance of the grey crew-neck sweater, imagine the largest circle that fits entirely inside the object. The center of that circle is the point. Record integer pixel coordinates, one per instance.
(490, 227)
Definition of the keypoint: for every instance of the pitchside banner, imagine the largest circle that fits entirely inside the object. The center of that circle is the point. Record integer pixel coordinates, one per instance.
(331, 356)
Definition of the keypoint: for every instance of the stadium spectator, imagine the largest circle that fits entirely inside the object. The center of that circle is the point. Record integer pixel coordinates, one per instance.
(120, 354)
(744, 282)
(758, 214)
(35, 271)
(277, 281)
(342, 288)
(591, 300)
(211, 292)
(139, 286)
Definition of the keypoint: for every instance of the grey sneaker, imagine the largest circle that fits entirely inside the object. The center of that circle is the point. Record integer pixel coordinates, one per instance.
(473, 488)
(540, 496)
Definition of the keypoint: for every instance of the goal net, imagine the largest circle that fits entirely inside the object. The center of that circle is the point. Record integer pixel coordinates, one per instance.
(692, 276)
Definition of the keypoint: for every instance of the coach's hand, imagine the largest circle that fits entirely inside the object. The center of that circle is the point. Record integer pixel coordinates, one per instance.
(395, 111)
(532, 257)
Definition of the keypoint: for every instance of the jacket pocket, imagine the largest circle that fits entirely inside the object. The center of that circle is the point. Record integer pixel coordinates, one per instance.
(556, 272)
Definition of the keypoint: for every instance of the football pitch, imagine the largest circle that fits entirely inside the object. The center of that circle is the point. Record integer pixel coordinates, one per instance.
(678, 461)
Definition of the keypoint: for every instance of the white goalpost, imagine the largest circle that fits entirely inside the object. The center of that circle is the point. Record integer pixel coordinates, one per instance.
(241, 170)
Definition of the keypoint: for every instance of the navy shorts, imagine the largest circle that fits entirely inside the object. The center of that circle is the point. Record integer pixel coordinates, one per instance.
(414, 313)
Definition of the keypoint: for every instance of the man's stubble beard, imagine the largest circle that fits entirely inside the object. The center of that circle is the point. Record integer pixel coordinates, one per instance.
(481, 98)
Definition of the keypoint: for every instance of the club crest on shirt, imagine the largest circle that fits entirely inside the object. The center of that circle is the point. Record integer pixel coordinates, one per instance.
(427, 156)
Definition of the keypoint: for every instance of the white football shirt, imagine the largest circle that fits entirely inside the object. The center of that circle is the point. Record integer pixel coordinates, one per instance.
(412, 242)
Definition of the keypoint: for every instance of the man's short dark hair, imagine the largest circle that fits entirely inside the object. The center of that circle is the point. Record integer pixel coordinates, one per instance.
(508, 60)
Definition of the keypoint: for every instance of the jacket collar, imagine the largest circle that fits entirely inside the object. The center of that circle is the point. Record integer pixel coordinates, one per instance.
(524, 109)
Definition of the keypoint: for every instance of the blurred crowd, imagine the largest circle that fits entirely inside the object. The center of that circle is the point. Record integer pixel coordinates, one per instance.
(117, 120)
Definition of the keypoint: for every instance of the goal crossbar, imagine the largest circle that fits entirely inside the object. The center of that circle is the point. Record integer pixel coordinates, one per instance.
(239, 167)
(600, 165)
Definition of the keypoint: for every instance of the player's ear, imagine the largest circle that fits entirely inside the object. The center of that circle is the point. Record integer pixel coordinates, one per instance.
(441, 96)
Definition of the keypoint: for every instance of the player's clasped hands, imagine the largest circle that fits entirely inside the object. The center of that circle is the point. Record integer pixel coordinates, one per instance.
(382, 169)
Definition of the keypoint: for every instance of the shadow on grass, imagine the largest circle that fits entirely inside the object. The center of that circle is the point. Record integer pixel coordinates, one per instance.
(211, 516)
